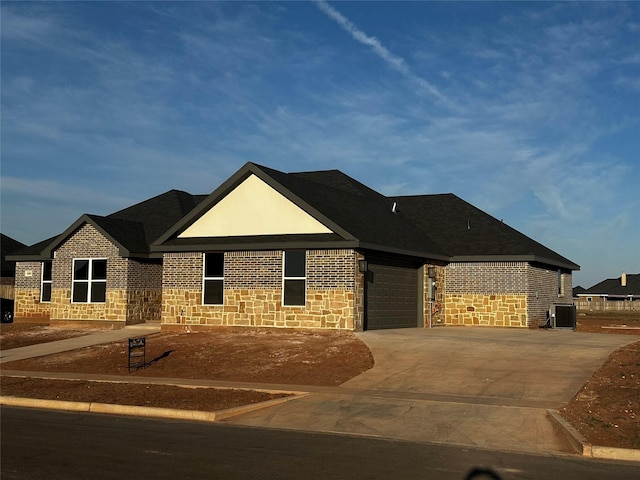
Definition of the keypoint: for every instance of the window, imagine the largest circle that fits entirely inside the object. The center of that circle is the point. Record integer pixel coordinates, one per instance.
(45, 291)
(294, 278)
(89, 280)
(213, 288)
(560, 285)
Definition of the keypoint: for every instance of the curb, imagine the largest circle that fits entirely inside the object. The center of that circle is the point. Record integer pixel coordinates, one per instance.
(131, 410)
(582, 446)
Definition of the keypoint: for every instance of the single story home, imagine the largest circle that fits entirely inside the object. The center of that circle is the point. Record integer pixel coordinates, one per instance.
(294, 250)
(8, 245)
(622, 293)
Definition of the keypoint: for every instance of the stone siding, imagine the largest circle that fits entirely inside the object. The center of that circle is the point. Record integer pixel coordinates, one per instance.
(511, 294)
(433, 309)
(486, 294)
(486, 310)
(134, 287)
(253, 291)
(28, 307)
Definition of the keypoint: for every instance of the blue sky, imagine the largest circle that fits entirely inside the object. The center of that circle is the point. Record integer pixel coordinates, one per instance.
(529, 111)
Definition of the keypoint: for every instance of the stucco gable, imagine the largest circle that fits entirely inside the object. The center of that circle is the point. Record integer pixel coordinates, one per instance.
(254, 208)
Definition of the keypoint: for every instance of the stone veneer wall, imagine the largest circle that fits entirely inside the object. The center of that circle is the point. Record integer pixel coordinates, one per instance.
(253, 291)
(134, 288)
(433, 311)
(87, 242)
(486, 293)
(28, 307)
(510, 294)
(144, 291)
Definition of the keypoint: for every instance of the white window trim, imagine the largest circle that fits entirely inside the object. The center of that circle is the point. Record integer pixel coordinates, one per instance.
(43, 281)
(89, 281)
(284, 278)
(204, 279)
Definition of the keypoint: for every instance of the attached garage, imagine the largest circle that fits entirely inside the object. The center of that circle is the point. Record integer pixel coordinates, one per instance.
(392, 295)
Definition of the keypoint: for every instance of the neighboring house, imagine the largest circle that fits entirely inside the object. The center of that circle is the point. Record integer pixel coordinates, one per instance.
(578, 290)
(100, 269)
(616, 294)
(314, 250)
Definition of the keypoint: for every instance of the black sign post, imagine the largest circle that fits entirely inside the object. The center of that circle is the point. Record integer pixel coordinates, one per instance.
(137, 353)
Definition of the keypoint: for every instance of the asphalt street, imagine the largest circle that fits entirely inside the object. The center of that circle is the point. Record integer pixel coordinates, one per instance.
(40, 444)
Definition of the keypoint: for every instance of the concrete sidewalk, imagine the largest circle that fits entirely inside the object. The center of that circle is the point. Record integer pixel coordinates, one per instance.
(94, 338)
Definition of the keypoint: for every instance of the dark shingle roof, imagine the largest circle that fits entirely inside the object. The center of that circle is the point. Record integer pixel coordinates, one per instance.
(132, 229)
(465, 232)
(439, 227)
(8, 245)
(613, 287)
(442, 227)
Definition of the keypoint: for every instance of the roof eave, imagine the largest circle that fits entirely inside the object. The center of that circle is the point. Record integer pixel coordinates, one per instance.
(403, 251)
(231, 183)
(515, 258)
(268, 245)
(27, 258)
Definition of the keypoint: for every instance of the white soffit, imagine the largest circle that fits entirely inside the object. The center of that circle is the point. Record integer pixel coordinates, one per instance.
(254, 208)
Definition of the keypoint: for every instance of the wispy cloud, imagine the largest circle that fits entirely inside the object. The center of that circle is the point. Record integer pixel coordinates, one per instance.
(394, 61)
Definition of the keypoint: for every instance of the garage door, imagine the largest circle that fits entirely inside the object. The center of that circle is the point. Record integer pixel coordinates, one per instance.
(392, 296)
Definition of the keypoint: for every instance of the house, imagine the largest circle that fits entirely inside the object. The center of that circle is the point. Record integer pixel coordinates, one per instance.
(8, 245)
(304, 250)
(100, 269)
(613, 294)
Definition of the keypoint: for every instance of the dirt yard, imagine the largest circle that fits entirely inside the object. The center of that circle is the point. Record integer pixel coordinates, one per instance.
(605, 411)
(260, 356)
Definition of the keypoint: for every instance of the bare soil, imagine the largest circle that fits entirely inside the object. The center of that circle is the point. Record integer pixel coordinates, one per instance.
(15, 335)
(260, 356)
(605, 410)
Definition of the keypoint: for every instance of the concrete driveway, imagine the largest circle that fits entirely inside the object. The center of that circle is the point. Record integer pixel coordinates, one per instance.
(487, 388)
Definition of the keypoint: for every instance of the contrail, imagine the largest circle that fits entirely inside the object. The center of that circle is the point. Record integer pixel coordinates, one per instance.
(394, 61)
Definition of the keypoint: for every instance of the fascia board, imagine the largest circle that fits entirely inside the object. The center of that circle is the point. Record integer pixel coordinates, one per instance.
(400, 251)
(303, 205)
(514, 258)
(226, 188)
(213, 198)
(48, 251)
(27, 258)
(202, 247)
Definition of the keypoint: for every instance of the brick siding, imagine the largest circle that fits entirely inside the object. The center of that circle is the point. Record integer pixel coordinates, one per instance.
(513, 294)
(28, 307)
(134, 287)
(253, 291)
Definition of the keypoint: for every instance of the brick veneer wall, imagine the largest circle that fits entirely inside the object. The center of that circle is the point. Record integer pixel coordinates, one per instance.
(134, 288)
(28, 307)
(87, 242)
(511, 294)
(543, 291)
(486, 293)
(253, 291)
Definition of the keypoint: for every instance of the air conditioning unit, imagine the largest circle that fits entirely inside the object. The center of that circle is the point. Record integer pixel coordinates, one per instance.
(562, 315)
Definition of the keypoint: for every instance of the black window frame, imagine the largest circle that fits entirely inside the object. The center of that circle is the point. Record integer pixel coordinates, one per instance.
(292, 293)
(93, 288)
(46, 281)
(213, 278)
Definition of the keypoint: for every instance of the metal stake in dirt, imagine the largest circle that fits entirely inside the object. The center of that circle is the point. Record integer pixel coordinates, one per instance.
(137, 353)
